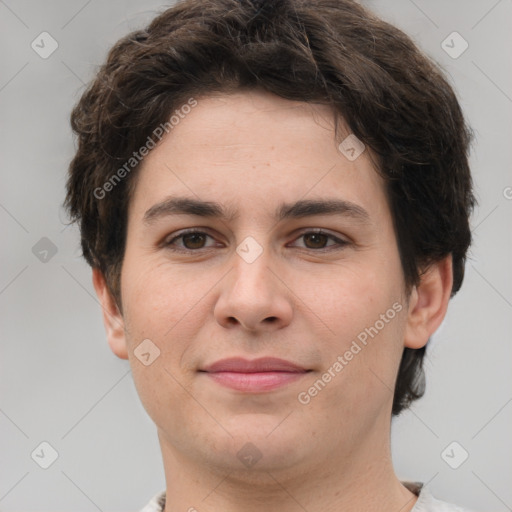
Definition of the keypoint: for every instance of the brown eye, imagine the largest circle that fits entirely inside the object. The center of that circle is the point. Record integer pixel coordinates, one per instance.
(194, 240)
(315, 240)
(319, 240)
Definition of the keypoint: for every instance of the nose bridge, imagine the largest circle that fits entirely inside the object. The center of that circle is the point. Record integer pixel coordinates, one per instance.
(252, 295)
(251, 272)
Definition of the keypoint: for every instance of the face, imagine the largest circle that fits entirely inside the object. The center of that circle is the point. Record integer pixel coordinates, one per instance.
(303, 266)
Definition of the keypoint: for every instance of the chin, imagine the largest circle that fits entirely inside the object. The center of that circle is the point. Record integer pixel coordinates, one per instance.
(261, 444)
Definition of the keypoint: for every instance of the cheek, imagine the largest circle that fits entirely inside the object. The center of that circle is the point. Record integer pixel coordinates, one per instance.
(161, 391)
(161, 300)
(158, 307)
(363, 308)
(348, 297)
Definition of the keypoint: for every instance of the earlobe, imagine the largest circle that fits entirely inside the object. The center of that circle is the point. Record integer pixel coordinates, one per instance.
(428, 303)
(112, 318)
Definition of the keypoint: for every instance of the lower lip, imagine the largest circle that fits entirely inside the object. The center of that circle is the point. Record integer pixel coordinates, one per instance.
(255, 382)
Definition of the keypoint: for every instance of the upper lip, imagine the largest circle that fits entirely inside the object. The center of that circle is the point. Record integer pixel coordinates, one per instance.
(263, 364)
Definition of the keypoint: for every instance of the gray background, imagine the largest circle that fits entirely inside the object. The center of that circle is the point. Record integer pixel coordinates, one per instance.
(61, 384)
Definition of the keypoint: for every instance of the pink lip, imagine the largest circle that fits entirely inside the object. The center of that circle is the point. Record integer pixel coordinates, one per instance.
(263, 364)
(263, 374)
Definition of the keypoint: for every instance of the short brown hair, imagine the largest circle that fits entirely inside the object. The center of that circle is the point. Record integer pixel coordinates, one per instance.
(334, 52)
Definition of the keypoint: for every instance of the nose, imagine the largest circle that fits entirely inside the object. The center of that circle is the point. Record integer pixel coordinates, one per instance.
(254, 297)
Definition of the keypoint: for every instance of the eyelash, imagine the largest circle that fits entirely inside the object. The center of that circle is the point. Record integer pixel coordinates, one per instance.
(169, 244)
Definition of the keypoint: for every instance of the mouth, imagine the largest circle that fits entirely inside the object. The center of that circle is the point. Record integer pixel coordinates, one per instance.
(258, 375)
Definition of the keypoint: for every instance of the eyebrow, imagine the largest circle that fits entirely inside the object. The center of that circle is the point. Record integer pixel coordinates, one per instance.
(302, 208)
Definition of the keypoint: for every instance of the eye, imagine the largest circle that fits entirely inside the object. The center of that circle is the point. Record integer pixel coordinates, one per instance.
(191, 240)
(194, 240)
(318, 239)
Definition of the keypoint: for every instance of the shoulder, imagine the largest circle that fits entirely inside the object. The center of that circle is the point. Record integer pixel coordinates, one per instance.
(425, 503)
(428, 503)
(156, 504)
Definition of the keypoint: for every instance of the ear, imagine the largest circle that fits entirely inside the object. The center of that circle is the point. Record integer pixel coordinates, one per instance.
(112, 318)
(428, 303)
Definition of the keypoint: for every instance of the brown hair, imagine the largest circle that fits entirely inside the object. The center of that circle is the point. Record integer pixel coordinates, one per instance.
(334, 52)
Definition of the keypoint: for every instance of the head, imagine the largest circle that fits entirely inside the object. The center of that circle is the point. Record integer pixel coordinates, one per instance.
(247, 105)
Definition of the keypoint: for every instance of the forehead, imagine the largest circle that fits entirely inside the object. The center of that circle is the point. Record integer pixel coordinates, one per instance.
(253, 118)
(255, 144)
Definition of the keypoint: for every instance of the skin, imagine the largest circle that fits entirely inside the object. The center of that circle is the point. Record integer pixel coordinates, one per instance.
(304, 299)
